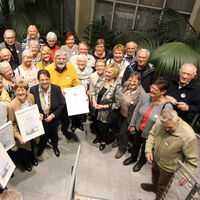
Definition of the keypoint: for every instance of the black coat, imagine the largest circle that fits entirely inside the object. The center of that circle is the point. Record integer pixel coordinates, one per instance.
(57, 100)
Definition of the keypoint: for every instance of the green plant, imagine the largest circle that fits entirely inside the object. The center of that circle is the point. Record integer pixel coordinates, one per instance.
(98, 29)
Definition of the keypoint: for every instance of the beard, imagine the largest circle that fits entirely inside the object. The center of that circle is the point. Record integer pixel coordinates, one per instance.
(60, 65)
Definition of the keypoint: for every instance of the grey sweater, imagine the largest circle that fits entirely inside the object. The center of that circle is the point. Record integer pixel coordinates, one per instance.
(142, 107)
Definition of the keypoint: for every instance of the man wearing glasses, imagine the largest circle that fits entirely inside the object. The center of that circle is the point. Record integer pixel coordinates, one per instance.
(183, 93)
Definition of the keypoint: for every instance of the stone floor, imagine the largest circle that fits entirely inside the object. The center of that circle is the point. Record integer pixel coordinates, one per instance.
(99, 174)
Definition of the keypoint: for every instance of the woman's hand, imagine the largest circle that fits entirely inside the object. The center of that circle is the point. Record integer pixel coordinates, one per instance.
(21, 140)
(41, 116)
(49, 118)
(131, 129)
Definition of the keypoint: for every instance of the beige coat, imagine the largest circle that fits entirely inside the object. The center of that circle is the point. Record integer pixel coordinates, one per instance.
(12, 108)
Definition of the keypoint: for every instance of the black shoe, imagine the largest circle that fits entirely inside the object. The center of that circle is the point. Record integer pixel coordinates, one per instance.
(40, 151)
(148, 187)
(34, 162)
(96, 140)
(102, 147)
(138, 167)
(67, 135)
(56, 151)
(129, 161)
(74, 137)
(73, 128)
(28, 167)
(81, 127)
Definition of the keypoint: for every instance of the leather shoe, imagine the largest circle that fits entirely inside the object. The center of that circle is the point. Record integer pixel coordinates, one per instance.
(56, 151)
(129, 161)
(28, 167)
(138, 167)
(148, 187)
(73, 128)
(34, 162)
(81, 127)
(102, 147)
(67, 135)
(119, 154)
(96, 140)
(74, 137)
(115, 144)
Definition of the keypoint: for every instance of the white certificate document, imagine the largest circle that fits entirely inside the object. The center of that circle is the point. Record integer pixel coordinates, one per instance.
(29, 124)
(76, 100)
(7, 167)
(7, 136)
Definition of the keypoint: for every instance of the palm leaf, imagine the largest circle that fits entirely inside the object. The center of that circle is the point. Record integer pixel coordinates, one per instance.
(169, 57)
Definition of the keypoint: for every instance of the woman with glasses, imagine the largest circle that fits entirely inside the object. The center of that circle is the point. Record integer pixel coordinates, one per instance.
(144, 116)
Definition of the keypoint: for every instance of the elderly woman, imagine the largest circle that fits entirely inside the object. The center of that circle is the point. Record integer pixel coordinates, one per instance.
(132, 94)
(27, 71)
(144, 116)
(34, 47)
(22, 100)
(119, 52)
(51, 43)
(45, 54)
(4, 96)
(107, 95)
(51, 108)
(100, 72)
(70, 48)
(100, 51)
(32, 34)
(8, 79)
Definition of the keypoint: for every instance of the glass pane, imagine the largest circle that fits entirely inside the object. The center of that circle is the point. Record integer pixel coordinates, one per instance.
(104, 9)
(123, 19)
(183, 5)
(145, 18)
(129, 1)
(157, 3)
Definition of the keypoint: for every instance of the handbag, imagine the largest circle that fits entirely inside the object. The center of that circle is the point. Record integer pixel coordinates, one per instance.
(113, 114)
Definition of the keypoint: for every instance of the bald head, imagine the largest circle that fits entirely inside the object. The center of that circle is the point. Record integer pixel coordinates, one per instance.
(187, 72)
(131, 48)
(9, 37)
(5, 54)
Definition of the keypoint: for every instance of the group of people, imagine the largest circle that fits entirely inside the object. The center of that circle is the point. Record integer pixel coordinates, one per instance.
(128, 103)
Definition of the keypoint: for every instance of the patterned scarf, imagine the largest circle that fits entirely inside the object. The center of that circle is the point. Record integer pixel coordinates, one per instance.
(44, 106)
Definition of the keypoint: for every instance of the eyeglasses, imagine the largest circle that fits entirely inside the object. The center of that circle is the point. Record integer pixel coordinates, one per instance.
(156, 90)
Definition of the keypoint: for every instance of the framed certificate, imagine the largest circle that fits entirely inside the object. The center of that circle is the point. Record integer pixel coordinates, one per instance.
(7, 136)
(7, 167)
(29, 124)
(76, 100)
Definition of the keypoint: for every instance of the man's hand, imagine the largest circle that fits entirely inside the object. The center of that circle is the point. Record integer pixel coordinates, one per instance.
(49, 118)
(183, 106)
(171, 99)
(131, 129)
(149, 156)
(182, 182)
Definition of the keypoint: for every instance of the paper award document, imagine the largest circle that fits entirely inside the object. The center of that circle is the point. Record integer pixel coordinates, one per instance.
(6, 136)
(29, 124)
(7, 167)
(76, 100)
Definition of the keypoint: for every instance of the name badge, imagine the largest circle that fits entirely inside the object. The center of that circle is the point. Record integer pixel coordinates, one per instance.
(67, 77)
(166, 143)
(156, 116)
(183, 95)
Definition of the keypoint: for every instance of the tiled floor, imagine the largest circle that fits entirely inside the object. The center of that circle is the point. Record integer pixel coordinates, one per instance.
(99, 174)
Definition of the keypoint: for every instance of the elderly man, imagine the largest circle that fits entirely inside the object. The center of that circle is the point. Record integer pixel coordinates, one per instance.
(146, 69)
(83, 50)
(64, 75)
(183, 93)
(14, 47)
(171, 139)
(131, 52)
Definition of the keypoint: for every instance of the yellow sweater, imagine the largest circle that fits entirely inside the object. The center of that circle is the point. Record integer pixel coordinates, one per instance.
(68, 78)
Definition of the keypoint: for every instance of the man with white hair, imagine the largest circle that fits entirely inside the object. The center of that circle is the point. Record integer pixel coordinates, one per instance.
(13, 47)
(183, 93)
(170, 139)
(146, 69)
(64, 75)
(131, 52)
(83, 50)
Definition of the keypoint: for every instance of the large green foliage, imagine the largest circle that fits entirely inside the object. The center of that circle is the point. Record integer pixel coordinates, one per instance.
(169, 57)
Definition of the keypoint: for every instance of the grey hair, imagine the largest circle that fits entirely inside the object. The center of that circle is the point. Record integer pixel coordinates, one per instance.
(7, 30)
(130, 43)
(33, 26)
(33, 42)
(3, 66)
(5, 49)
(145, 50)
(51, 35)
(190, 65)
(81, 57)
(27, 52)
(168, 115)
(11, 194)
(60, 52)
